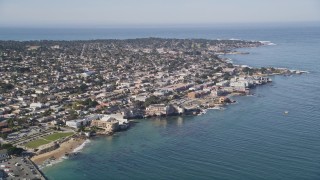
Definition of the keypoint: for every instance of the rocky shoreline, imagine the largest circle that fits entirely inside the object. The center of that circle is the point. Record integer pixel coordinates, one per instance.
(65, 148)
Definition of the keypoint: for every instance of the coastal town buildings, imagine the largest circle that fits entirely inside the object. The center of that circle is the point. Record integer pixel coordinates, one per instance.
(58, 81)
(52, 86)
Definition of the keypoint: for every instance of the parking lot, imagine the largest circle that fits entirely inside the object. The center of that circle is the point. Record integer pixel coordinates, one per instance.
(21, 168)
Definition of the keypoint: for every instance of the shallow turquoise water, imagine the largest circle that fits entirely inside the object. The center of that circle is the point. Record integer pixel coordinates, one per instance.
(252, 139)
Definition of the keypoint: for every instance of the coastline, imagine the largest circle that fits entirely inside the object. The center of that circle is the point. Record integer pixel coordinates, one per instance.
(70, 146)
(73, 145)
(241, 132)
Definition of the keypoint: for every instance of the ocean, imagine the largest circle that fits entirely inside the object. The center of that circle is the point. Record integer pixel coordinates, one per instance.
(252, 139)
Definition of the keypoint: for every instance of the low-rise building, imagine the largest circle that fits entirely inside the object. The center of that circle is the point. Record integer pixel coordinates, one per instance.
(3, 124)
(108, 123)
(197, 94)
(132, 113)
(36, 105)
(6, 130)
(160, 109)
(77, 123)
(223, 83)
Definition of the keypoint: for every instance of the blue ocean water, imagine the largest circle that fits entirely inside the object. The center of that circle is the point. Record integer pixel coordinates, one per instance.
(252, 139)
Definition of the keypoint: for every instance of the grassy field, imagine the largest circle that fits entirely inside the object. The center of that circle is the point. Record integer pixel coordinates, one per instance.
(47, 139)
(56, 136)
(36, 143)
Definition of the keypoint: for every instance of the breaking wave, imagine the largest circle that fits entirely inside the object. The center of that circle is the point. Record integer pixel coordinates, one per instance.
(267, 43)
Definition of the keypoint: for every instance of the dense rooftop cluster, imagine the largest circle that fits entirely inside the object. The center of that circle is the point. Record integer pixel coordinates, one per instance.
(57, 81)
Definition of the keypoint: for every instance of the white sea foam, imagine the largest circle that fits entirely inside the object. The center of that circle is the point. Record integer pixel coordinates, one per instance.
(217, 108)
(267, 43)
(49, 163)
(202, 112)
(78, 149)
(229, 60)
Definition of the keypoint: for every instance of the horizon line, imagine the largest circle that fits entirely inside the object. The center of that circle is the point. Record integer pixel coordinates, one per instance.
(160, 25)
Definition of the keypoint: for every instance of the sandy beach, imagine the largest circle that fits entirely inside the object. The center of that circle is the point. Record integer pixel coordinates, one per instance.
(66, 147)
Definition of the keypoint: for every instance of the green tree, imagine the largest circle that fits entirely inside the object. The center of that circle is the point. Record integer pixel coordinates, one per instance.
(6, 146)
(226, 76)
(15, 151)
(83, 88)
(10, 123)
(4, 88)
(139, 104)
(72, 115)
(263, 70)
(81, 128)
(152, 100)
(47, 112)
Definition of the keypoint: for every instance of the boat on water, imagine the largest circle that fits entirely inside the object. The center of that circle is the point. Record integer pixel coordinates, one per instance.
(286, 112)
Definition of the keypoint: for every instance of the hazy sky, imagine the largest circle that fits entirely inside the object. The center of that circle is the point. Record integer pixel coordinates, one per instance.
(156, 12)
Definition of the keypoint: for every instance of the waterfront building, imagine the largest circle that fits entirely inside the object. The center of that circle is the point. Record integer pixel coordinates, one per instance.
(107, 123)
(77, 123)
(156, 109)
(160, 109)
(131, 113)
(223, 100)
(119, 117)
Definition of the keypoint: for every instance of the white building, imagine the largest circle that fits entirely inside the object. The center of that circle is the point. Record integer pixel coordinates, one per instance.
(88, 73)
(77, 123)
(140, 97)
(223, 83)
(239, 84)
(118, 117)
(161, 92)
(36, 105)
(218, 92)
